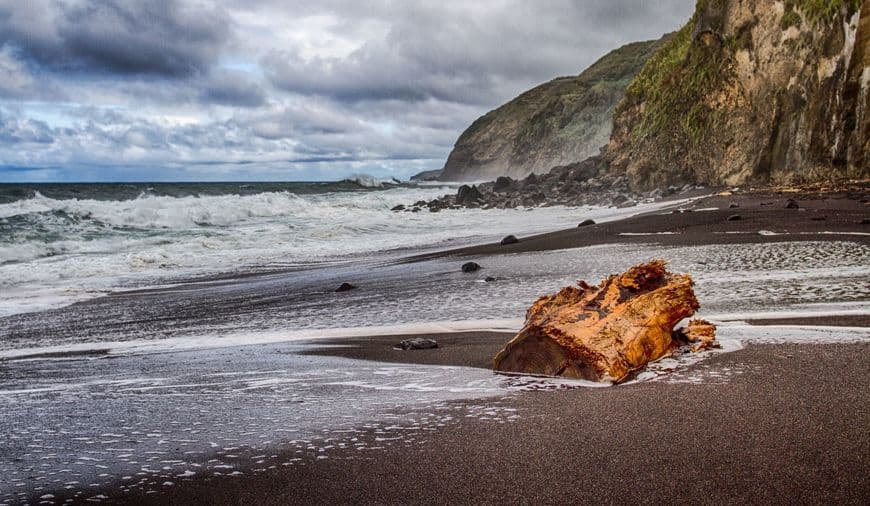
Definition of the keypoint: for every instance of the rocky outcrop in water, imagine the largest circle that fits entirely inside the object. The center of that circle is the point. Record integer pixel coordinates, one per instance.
(427, 175)
(606, 332)
(563, 121)
(773, 91)
(586, 183)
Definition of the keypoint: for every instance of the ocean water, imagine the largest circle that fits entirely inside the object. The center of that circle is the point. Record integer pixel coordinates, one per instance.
(61, 243)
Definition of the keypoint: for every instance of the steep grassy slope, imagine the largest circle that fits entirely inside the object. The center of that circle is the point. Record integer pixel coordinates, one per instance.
(556, 123)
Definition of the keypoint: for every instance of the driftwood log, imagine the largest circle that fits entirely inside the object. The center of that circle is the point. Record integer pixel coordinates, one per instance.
(606, 332)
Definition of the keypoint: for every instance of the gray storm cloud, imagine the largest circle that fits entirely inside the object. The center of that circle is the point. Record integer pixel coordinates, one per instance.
(271, 85)
(166, 38)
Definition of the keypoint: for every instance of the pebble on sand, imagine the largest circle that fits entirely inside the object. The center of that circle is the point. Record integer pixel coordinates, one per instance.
(470, 267)
(417, 343)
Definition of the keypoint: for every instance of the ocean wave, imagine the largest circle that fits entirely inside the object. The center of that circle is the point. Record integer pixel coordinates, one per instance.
(164, 212)
(97, 245)
(41, 227)
(131, 191)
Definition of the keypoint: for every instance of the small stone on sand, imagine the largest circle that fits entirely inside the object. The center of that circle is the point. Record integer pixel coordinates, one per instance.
(470, 267)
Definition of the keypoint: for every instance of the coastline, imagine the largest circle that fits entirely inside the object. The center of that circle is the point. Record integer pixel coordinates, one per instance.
(763, 218)
(770, 422)
(641, 274)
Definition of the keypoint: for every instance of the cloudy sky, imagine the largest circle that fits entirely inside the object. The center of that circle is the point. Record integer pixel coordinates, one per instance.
(133, 90)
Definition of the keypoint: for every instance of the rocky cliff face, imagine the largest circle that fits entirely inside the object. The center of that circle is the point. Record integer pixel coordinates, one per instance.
(751, 91)
(563, 121)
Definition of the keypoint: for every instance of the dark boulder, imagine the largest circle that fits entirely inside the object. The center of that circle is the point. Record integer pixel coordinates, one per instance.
(585, 170)
(399, 207)
(417, 343)
(503, 184)
(489, 279)
(511, 239)
(345, 287)
(470, 267)
(531, 179)
(734, 217)
(791, 204)
(468, 194)
(586, 223)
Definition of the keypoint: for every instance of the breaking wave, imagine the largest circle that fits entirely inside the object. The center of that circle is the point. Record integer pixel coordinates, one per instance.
(75, 246)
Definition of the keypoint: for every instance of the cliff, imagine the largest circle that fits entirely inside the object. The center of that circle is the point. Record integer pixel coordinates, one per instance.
(749, 91)
(565, 120)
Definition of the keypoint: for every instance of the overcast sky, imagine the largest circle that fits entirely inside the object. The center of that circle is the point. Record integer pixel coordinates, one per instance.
(133, 90)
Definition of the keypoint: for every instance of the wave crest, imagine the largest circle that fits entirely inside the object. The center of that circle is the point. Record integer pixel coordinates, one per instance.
(367, 181)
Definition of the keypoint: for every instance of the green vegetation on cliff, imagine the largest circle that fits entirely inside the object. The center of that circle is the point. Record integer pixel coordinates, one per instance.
(674, 83)
(750, 91)
(563, 121)
(817, 11)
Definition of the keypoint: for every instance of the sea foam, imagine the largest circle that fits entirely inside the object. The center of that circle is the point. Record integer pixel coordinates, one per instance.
(53, 246)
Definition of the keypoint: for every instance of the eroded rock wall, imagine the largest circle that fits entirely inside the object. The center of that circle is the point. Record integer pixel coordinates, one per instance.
(751, 91)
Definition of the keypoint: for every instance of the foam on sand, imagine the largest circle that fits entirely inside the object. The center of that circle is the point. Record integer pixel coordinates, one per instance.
(194, 342)
(731, 328)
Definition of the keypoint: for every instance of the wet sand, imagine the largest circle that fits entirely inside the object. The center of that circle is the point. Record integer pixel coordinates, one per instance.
(851, 320)
(763, 217)
(779, 424)
(465, 349)
(769, 423)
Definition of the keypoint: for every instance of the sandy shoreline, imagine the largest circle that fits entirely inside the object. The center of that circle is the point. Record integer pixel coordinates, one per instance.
(780, 423)
(769, 423)
(763, 217)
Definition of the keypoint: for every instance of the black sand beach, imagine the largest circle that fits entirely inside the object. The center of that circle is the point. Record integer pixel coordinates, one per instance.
(757, 217)
(784, 423)
(638, 231)
(777, 424)
(772, 423)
